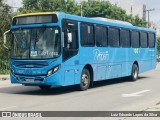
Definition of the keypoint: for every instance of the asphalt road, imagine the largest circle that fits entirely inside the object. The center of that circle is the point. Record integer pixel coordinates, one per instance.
(111, 95)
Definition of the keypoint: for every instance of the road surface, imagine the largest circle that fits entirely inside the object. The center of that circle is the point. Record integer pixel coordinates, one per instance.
(111, 95)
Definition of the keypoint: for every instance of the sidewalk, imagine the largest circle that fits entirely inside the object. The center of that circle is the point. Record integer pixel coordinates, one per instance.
(4, 77)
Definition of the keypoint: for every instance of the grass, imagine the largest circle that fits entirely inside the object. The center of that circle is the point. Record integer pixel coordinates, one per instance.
(4, 66)
(4, 72)
(3, 79)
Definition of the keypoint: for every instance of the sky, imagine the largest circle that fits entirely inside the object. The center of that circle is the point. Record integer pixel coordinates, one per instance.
(150, 4)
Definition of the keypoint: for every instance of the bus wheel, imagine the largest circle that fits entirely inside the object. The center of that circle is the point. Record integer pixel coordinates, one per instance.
(85, 80)
(45, 87)
(134, 72)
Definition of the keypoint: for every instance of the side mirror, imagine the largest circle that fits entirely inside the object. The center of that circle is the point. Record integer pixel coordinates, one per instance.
(69, 37)
(5, 39)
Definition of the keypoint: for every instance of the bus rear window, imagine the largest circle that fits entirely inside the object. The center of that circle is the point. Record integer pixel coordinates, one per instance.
(35, 19)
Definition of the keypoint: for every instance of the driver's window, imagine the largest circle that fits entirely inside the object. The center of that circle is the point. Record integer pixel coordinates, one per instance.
(69, 38)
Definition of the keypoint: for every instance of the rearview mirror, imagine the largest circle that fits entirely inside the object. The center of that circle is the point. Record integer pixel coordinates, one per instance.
(5, 39)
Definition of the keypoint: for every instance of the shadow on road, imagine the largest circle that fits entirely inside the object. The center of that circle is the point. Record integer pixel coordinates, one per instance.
(33, 90)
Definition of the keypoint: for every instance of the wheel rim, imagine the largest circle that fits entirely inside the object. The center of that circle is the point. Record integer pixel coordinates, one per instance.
(85, 80)
(135, 73)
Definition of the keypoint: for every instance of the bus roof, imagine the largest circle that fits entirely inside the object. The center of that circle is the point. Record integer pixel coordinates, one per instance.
(37, 13)
(109, 23)
(112, 20)
(102, 21)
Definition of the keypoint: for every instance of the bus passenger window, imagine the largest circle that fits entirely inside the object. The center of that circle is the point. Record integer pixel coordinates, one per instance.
(87, 37)
(151, 40)
(144, 40)
(101, 36)
(125, 38)
(135, 39)
(113, 37)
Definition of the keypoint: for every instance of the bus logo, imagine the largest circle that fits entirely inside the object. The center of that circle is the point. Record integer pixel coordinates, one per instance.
(100, 56)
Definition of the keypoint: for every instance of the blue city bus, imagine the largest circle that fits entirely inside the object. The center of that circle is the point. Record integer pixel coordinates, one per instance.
(59, 49)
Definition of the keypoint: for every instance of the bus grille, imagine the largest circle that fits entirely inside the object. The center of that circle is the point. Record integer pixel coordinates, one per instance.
(33, 64)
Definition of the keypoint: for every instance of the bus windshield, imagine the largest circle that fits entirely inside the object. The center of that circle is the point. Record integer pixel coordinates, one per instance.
(35, 43)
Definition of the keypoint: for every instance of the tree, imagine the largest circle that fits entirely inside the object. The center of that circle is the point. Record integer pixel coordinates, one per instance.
(139, 22)
(105, 9)
(5, 17)
(95, 8)
(68, 6)
(36, 5)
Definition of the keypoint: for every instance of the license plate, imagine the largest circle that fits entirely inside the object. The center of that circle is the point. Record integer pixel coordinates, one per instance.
(29, 80)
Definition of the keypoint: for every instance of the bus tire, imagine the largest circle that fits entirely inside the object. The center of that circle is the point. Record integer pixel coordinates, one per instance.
(134, 72)
(45, 87)
(85, 80)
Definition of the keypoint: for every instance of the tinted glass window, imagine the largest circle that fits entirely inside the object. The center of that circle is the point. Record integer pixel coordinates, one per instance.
(87, 35)
(125, 38)
(135, 39)
(101, 36)
(70, 32)
(69, 38)
(144, 40)
(113, 37)
(151, 39)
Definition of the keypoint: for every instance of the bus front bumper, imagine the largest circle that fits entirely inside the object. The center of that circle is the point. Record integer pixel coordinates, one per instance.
(54, 80)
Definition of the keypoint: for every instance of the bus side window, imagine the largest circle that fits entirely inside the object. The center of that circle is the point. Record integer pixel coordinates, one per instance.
(113, 37)
(87, 35)
(101, 36)
(143, 39)
(125, 38)
(69, 38)
(135, 39)
(151, 40)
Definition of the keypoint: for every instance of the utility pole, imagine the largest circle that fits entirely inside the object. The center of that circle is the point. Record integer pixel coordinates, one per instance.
(149, 10)
(132, 9)
(81, 10)
(81, 7)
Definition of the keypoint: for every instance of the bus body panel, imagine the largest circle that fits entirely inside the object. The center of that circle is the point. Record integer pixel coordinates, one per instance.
(106, 62)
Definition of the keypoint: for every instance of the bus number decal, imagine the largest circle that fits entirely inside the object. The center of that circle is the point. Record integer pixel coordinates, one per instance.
(136, 51)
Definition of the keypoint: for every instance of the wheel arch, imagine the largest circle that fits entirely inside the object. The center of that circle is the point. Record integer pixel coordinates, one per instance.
(136, 62)
(90, 69)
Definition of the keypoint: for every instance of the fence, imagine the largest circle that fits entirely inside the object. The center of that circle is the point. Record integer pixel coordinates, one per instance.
(4, 66)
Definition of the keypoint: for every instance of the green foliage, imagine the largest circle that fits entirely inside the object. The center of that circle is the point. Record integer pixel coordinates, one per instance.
(4, 66)
(5, 21)
(106, 9)
(95, 8)
(4, 79)
(158, 45)
(5, 17)
(68, 6)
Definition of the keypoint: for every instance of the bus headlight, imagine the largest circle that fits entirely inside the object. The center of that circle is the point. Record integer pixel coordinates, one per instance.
(53, 70)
